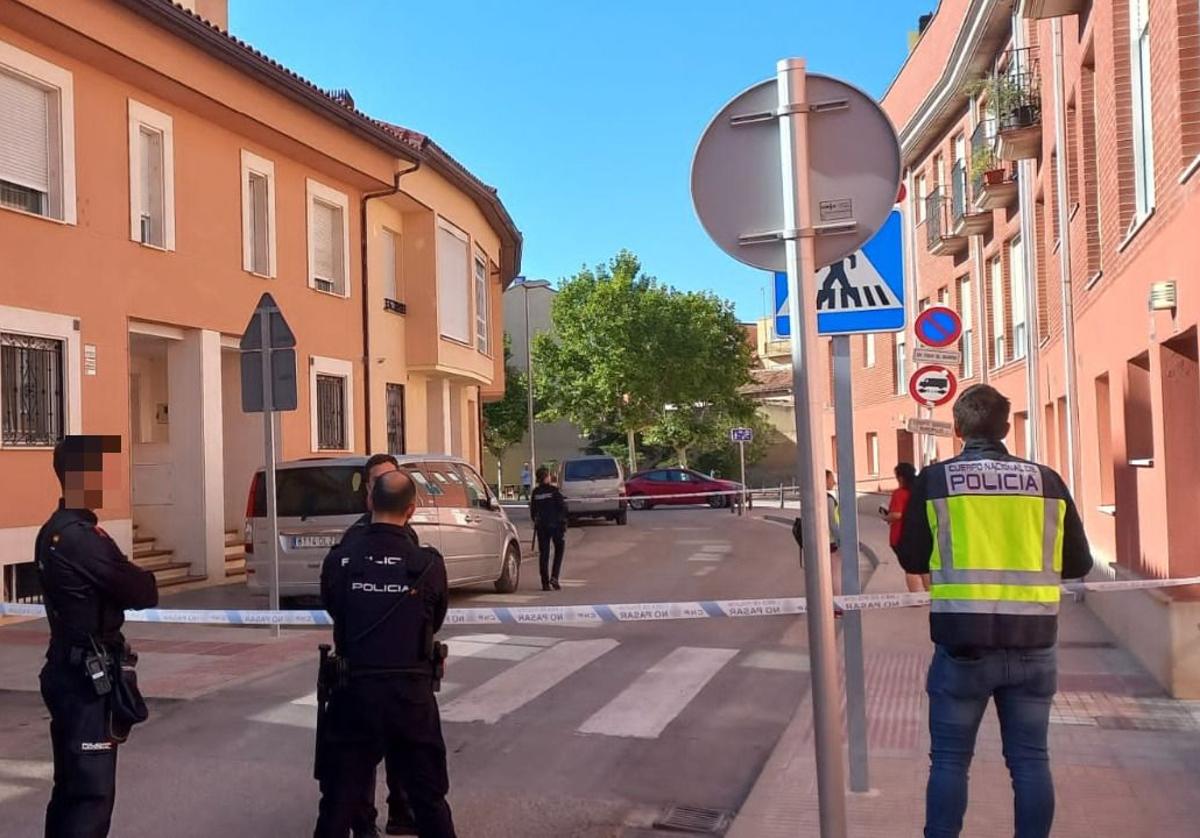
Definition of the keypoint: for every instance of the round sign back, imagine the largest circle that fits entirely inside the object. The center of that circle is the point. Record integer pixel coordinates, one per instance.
(854, 172)
(933, 385)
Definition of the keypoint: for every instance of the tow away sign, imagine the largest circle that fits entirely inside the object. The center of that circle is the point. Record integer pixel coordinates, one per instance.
(930, 427)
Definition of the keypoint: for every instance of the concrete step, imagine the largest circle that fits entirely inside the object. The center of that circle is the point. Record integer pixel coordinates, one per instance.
(179, 580)
(155, 560)
(144, 547)
(235, 568)
(233, 537)
(173, 573)
(233, 551)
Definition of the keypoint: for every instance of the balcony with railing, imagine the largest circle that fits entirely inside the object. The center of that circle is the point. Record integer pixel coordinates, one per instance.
(1045, 9)
(939, 226)
(993, 181)
(965, 219)
(1013, 95)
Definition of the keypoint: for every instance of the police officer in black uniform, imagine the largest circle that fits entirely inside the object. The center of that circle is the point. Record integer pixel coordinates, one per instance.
(548, 509)
(87, 583)
(387, 596)
(400, 820)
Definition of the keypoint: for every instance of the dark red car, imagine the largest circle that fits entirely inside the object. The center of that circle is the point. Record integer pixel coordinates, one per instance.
(658, 486)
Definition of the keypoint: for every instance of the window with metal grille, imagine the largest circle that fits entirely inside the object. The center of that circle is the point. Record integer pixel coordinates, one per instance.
(395, 418)
(31, 390)
(331, 412)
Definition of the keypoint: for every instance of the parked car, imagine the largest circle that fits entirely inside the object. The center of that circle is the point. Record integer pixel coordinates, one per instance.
(643, 488)
(594, 487)
(317, 499)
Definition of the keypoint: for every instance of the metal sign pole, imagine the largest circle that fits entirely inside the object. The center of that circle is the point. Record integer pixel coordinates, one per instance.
(264, 320)
(852, 629)
(742, 458)
(799, 249)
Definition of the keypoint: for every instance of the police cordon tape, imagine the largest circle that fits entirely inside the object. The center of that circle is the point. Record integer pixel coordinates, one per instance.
(583, 614)
(652, 499)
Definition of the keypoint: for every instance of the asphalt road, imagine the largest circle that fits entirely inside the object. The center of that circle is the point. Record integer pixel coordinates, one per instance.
(552, 731)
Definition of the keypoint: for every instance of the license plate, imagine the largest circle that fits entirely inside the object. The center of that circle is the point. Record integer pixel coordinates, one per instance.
(308, 542)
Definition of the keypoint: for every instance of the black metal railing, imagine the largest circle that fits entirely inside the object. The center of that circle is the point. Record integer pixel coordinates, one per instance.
(959, 191)
(983, 153)
(936, 222)
(1015, 90)
(331, 412)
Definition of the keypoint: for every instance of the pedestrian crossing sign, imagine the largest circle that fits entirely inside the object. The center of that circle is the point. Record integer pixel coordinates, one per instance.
(860, 294)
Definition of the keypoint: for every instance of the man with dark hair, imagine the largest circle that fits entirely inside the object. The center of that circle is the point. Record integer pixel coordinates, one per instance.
(400, 817)
(548, 509)
(87, 682)
(997, 535)
(388, 597)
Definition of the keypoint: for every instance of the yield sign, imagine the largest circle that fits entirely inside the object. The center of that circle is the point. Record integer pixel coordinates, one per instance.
(281, 332)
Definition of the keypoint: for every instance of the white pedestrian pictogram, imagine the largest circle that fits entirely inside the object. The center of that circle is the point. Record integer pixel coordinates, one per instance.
(853, 284)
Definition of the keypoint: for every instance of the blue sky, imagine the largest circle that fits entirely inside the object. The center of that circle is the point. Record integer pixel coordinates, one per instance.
(584, 113)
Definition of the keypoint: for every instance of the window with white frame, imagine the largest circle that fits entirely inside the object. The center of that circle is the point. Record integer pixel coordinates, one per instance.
(966, 313)
(872, 453)
(481, 302)
(331, 391)
(390, 243)
(868, 350)
(151, 177)
(328, 239)
(997, 307)
(454, 289)
(899, 365)
(922, 194)
(1017, 298)
(32, 390)
(1143, 118)
(258, 215)
(37, 136)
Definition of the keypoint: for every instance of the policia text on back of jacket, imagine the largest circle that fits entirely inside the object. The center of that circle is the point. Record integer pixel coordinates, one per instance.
(388, 597)
(997, 535)
(88, 682)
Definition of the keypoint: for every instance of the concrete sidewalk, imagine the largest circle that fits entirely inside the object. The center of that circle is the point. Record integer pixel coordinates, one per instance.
(1125, 757)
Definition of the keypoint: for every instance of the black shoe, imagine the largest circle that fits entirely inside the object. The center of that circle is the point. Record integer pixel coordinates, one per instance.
(372, 832)
(545, 586)
(554, 584)
(405, 827)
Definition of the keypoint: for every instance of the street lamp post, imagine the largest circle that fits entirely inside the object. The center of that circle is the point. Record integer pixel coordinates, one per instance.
(525, 286)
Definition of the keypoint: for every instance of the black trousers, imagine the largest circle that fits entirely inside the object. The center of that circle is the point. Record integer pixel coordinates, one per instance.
(546, 536)
(374, 716)
(85, 761)
(399, 811)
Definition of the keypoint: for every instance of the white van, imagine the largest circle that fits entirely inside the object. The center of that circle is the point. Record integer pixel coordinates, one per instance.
(594, 487)
(317, 499)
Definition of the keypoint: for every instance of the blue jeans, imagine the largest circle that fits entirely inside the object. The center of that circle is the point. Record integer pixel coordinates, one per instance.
(1023, 683)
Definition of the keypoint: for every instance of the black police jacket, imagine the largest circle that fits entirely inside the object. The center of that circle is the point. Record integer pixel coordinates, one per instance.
(87, 582)
(359, 528)
(547, 507)
(387, 596)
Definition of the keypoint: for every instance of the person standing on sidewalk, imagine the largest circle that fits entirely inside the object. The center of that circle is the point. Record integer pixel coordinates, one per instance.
(893, 513)
(87, 682)
(400, 819)
(526, 482)
(548, 509)
(997, 534)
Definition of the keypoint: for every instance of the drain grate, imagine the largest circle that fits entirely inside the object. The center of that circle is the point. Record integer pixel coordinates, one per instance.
(694, 819)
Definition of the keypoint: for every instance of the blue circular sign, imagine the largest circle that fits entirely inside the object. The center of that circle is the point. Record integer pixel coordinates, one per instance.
(938, 326)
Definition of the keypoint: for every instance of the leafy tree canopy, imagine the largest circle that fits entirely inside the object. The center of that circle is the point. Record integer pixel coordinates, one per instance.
(504, 421)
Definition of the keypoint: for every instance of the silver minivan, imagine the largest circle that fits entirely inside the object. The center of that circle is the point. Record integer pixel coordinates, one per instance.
(457, 514)
(594, 487)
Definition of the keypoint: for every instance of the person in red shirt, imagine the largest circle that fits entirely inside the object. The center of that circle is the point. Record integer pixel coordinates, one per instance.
(894, 515)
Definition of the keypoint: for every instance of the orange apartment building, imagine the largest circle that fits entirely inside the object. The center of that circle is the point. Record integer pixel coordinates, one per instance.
(157, 176)
(1050, 150)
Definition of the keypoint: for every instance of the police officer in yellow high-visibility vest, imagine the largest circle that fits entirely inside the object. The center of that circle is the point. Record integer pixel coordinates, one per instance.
(997, 534)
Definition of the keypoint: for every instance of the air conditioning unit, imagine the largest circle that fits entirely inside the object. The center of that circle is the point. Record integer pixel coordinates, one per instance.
(1163, 296)
(324, 285)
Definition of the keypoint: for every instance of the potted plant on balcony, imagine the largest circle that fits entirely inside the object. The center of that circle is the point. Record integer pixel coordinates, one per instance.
(985, 167)
(1007, 100)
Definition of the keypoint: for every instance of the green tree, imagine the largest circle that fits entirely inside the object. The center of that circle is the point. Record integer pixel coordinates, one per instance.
(505, 421)
(627, 349)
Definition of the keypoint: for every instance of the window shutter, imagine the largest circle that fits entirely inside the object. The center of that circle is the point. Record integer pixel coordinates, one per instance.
(152, 186)
(454, 297)
(390, 245)
(24, 134)
(323, 245)
(260, 223)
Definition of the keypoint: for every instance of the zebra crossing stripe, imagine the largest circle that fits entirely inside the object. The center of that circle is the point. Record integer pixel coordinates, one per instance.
(513, 688)
(645, 708)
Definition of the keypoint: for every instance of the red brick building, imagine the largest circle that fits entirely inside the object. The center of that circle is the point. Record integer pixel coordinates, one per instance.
(1050, 152)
